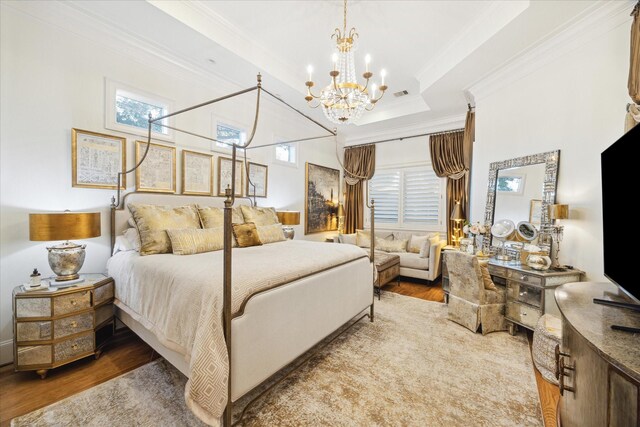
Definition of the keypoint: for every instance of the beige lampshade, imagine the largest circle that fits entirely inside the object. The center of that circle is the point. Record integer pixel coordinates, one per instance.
(456, 212)
(63, 226)
(289, 217)
(558, 211)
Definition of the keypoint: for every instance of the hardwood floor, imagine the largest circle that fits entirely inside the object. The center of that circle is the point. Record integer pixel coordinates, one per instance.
(23, 392)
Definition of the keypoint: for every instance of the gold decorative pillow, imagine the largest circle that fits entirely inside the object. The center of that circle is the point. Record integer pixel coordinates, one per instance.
(188, 241)
(259, 216)
(270, 233)
(246, 235)
(486, 277)
(391, 245)
(363, 238)
(416, 243)
(214, 217)
(153, 222)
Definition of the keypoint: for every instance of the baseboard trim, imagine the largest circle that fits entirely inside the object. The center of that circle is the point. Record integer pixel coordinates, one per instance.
(6, 352)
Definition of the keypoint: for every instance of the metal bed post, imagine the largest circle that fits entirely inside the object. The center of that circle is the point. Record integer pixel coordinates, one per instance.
(372, 210)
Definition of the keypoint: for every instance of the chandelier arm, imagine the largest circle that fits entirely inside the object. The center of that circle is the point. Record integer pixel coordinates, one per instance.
(311, 94)
(372, 107)
(366, 85)
(381, 95)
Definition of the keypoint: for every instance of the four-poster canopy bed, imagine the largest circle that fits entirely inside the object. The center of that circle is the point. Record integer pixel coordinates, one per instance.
(267, 322)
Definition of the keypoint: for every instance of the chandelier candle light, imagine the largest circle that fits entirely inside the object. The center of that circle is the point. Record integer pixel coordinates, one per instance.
(344, 99)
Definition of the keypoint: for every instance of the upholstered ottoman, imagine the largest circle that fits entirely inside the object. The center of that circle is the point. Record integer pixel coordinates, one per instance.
(546, 336)
(388, 268)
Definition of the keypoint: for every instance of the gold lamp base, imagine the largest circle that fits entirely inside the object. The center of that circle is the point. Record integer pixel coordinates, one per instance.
(66, 260)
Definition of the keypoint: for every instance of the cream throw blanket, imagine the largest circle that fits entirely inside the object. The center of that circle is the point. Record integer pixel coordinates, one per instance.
(179, 299)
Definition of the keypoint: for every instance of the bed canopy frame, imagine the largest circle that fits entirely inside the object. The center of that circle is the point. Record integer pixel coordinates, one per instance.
(117, 202)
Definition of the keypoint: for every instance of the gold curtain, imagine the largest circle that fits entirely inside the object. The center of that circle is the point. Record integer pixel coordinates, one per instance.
(360, 161)
(451, 155)
(632, 117)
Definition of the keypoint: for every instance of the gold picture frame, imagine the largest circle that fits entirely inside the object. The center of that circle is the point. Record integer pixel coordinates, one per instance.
(96, 160)
(258, 175)
(224, 175)
(322, 186)
(196, 168)
(157, 174)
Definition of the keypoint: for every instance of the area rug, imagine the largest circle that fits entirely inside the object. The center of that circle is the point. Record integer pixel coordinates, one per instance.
(410, 367)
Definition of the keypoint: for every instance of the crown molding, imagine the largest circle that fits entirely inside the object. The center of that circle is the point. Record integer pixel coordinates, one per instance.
(437, 125)
(594, 23)
(402, 107)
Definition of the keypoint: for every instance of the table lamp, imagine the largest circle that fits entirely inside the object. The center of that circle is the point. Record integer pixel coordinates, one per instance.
(288, 218)
(340, 218)
(65, 259)
(457, 217)
(556, 213)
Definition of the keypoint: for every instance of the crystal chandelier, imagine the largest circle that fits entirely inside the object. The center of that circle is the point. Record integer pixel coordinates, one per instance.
(344, 99)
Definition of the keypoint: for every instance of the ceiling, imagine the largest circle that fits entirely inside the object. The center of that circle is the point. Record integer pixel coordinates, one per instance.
(435, 50)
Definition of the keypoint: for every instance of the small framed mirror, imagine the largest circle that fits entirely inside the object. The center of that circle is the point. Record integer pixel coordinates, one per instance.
(520, 190)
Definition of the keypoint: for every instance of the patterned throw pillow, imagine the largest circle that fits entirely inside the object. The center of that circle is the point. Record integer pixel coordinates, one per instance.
(270, 233)
(425, 251)
(214, 217)
(259, 216)
(391, 245)
(416, 243)
(188, 241)
(348, 238)
(153, 222)
(246, 235)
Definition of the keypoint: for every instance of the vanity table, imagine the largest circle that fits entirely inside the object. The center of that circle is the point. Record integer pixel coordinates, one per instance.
(529, 293)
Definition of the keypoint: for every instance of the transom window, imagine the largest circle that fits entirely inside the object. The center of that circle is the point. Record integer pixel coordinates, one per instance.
(229, 134)
(128, 109)
(408, 197)
(285, 153)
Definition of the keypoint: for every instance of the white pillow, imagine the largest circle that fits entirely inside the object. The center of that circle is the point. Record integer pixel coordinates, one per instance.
(131, 234)
(416, 243)
(425, 251)
(363, 238)
(121, 244)
(347, 238)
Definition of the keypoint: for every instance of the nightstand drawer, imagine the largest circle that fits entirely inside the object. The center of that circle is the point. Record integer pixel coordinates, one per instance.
(72, 325)
(103, 293)
(33, 307)
(34, 355)
(74, 347)
(524, 314)
(33, 331)
(524, 277)
(520, 292)
(71, 303)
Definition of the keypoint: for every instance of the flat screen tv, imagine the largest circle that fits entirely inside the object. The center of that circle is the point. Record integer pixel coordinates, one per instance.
(620, 177)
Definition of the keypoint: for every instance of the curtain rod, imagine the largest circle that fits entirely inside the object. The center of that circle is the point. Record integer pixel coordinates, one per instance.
(400, 138)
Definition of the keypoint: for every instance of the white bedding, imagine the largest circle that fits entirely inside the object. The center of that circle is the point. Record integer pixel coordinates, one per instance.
(179, 299)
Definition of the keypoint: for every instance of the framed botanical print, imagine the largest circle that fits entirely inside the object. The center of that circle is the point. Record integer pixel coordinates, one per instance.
(224, 175)
(257, 180)
(96, 160)
(158, 171)
(197, 173)
(322, 185)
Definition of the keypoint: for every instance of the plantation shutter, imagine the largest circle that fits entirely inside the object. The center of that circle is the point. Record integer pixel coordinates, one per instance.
(384, 189)
(421, 196)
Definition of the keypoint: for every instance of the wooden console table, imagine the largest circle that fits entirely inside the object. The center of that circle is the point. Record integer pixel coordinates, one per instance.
(529, 292)
(598, 367)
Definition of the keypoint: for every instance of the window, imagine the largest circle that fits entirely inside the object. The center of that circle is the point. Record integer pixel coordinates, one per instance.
(408, 197)
(285, 153)
(229, 134)
(127, 109)
(513, 184)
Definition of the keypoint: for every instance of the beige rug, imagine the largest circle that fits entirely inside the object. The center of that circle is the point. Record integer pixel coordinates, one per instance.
(410, 367)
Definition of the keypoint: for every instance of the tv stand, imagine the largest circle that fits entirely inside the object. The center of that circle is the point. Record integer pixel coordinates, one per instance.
(598, 367)
(628, 305)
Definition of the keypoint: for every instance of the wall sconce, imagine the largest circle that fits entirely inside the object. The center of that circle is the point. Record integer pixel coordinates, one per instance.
(457, 217)
(556, 213)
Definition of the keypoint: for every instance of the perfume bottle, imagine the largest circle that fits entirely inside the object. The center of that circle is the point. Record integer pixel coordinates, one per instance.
(34, 278)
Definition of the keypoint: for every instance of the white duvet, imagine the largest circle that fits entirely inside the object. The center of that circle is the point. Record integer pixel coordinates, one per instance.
(179, 299)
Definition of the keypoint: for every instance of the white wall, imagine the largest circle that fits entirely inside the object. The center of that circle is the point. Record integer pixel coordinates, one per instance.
(52, 81)
(576, 103)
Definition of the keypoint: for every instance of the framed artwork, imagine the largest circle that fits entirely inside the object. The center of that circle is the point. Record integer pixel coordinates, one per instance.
(224, 175)
(535, 212)
(96, 160)
(158, 171)
(322, 185)
(257, 181)
(197, 173)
